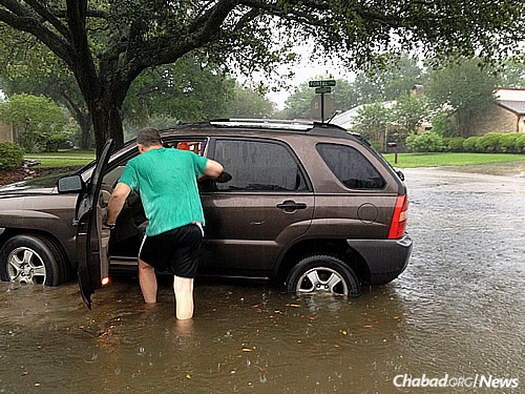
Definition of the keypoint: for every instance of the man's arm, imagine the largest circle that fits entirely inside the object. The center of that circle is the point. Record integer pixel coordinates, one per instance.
(116, 202)
(213, 169)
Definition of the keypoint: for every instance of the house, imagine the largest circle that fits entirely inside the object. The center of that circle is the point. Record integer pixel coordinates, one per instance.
(6, 133)
(507, 115)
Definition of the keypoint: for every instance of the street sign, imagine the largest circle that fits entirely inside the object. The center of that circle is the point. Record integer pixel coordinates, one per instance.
(326, 82)
(323, 89)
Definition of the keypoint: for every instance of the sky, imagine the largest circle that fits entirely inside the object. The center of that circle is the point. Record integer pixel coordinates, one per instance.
(306, 70)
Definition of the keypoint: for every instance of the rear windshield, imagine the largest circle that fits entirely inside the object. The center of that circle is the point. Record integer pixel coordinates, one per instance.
(351, 167)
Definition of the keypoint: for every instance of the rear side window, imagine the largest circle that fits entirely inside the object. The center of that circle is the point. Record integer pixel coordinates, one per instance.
(351, 167)
(259, 166)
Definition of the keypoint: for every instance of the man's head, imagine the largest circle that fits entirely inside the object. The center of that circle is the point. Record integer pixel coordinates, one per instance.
(147, 138)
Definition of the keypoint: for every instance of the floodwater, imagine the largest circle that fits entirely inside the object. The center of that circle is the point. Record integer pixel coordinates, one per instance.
(457, 312)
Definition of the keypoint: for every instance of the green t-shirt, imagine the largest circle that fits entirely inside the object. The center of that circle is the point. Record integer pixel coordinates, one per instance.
(166, 180)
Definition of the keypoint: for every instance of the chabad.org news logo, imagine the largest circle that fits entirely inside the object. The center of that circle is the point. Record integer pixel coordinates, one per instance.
(445, 381)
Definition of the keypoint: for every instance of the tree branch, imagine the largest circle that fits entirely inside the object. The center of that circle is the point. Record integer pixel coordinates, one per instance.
(203, 30)
(44, 12)
(25, 19)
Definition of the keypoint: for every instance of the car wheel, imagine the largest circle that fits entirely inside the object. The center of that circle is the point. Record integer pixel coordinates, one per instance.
(32, 259)
(323, 273)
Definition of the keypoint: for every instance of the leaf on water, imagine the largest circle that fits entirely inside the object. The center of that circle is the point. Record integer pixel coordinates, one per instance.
(313, 318)
(367, 326)
(247, 349)
(337, 346)
(261, 369)
(397, 317)
(344, 332)
(293, 305)
(188, 376)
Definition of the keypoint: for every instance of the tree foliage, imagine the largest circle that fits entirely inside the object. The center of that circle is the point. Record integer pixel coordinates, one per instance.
(247, 103)
(388, 80)
(298, 105)
(107, 45)
(465, 89)
(372, 121)
(36, 120)
(409, 112)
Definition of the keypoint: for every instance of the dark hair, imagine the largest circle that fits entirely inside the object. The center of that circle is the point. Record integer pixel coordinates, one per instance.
(149, 136)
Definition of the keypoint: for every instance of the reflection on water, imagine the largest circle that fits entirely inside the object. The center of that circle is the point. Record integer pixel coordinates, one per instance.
(458, 309)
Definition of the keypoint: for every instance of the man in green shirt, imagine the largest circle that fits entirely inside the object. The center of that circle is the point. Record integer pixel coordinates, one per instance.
(166, 180)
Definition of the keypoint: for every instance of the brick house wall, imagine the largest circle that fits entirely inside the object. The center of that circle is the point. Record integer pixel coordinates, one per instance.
(497, 119)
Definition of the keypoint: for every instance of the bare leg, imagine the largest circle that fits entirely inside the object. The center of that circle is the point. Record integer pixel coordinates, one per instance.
(148, 282)
(183, 288)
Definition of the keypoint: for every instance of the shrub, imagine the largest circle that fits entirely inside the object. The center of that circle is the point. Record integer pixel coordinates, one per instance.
(488, 143)
(454, 144)
(520, 143)
(53, 142)
(508, 142)
(469, 145)
(11, 155)
(427, 142)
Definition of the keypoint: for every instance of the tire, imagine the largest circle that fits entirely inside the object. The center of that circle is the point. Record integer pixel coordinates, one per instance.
(323, 273)
(32, 259)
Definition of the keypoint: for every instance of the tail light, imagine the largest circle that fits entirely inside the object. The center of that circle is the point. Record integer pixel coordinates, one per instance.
(399, 219)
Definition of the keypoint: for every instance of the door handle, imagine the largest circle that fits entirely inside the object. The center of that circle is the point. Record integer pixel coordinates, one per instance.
(290, 206)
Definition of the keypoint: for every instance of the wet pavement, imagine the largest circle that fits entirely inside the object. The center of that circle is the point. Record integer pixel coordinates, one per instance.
(457, 312)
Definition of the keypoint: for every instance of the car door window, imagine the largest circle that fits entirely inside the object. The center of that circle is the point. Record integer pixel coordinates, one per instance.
(351, 167)
(259, 166)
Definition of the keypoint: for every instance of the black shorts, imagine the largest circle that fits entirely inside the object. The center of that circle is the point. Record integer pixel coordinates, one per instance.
(176, 251)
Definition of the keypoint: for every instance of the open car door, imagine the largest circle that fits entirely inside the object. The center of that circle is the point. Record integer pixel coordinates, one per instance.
(92, 240)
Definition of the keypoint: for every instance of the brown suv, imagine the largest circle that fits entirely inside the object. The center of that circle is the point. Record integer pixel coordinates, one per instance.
(308, 205)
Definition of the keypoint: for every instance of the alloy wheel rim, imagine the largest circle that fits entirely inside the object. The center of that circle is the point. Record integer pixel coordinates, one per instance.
(322, 279)
(24, 265)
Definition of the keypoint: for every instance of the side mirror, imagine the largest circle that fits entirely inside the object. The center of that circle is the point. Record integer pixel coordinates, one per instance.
(71, 184)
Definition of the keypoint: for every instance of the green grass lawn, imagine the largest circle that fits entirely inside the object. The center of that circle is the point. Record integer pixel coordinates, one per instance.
(63, 158)
(411, 160)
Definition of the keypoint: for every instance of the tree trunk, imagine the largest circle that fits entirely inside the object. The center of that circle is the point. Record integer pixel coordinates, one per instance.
(85, 123)
(107, 122)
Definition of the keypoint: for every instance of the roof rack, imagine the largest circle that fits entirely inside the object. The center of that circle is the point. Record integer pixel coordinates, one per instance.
(295, 125)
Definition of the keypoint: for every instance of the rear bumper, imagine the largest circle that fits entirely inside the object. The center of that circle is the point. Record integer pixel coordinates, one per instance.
(386, 258)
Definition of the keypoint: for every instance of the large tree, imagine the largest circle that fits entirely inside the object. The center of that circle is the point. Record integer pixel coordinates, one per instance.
(464, 90)
(107, 44)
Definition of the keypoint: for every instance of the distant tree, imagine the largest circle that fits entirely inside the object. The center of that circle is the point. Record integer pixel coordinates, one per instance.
(463, 88)
(409, 112)
(388, 81)
(372, 121)
(247, 103)
(189, 90)
(299, 104)
(36, 120)
(512, 74)
(107, 44)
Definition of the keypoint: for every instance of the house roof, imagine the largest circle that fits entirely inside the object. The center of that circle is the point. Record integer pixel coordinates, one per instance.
(512, 99)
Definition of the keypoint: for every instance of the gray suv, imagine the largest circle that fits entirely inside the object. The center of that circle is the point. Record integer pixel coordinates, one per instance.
(306, 205)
